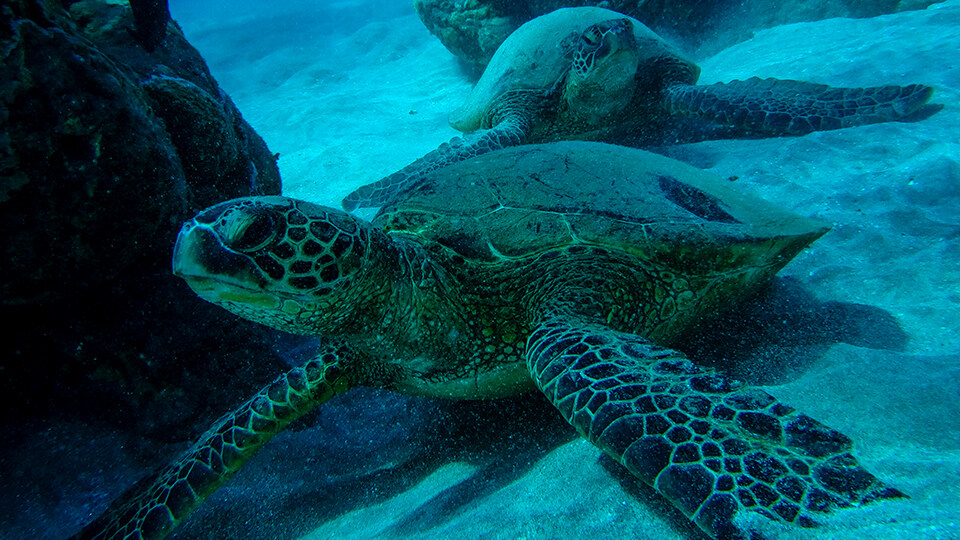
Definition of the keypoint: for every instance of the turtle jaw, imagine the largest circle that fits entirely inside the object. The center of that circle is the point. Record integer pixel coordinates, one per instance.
(617, 69)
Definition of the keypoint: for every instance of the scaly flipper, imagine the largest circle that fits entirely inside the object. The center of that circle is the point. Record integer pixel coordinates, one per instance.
(786, 107)
(155, 505)
(508, 132)
(714, 447)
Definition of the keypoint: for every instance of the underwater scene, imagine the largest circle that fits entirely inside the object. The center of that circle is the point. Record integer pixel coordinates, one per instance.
(491, 269)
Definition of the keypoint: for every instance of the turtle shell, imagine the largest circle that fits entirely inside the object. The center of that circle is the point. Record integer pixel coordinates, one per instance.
(537, 55)
(522, 201)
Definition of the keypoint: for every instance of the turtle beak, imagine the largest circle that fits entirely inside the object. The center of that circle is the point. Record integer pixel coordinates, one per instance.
(621, 36)
(206, 264)
(192, 242)
(182, 258)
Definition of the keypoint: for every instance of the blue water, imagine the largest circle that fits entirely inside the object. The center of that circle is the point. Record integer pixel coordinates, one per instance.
(349, 91)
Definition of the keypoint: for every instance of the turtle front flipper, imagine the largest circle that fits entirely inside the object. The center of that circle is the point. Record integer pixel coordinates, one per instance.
(717, 449)
(786, 107)
(155, 505)
(510, 131)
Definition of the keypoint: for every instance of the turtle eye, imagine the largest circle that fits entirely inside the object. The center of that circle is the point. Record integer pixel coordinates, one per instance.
(592, 36)
(252, 230)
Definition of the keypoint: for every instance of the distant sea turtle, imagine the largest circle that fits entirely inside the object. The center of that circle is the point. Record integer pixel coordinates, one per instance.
(593, 74)
(568, 267)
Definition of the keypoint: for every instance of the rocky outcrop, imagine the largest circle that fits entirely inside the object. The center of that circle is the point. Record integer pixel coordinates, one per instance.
(105, 149)
(473, 29)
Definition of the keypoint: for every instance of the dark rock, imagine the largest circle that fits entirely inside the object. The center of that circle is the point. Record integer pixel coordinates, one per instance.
(105, 149)
(150, 19)
(471, 30)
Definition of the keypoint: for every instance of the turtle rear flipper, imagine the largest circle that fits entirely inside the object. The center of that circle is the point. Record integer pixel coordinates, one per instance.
(155, 505)
(787, 107)
(715, 448)
(509, 132)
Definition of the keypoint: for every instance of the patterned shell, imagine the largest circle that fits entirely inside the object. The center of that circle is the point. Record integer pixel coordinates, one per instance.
(522, 201)
(537, 55)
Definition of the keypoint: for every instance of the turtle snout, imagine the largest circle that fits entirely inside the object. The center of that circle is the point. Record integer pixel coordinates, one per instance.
(199, 256)
(181, 266)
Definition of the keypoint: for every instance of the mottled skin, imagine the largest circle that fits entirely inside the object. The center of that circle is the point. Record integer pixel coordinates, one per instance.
(570, 268)
(593, 74)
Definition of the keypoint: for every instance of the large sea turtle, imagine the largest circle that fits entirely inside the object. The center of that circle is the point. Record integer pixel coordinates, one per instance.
(570, 268)
(589, 73)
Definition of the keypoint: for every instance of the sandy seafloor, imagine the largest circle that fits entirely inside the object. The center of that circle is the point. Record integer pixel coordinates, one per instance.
(347, 99)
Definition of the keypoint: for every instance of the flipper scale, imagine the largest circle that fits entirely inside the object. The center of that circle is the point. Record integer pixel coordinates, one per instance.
(714, 447)
(509, 132)
(156, 504)
(788, 107)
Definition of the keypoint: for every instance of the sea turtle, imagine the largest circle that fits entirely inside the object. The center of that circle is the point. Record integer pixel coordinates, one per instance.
(568, 267)
(589, 73)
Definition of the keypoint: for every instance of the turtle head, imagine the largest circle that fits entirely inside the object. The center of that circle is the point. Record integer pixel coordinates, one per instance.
(603, 68)
(282, 262)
